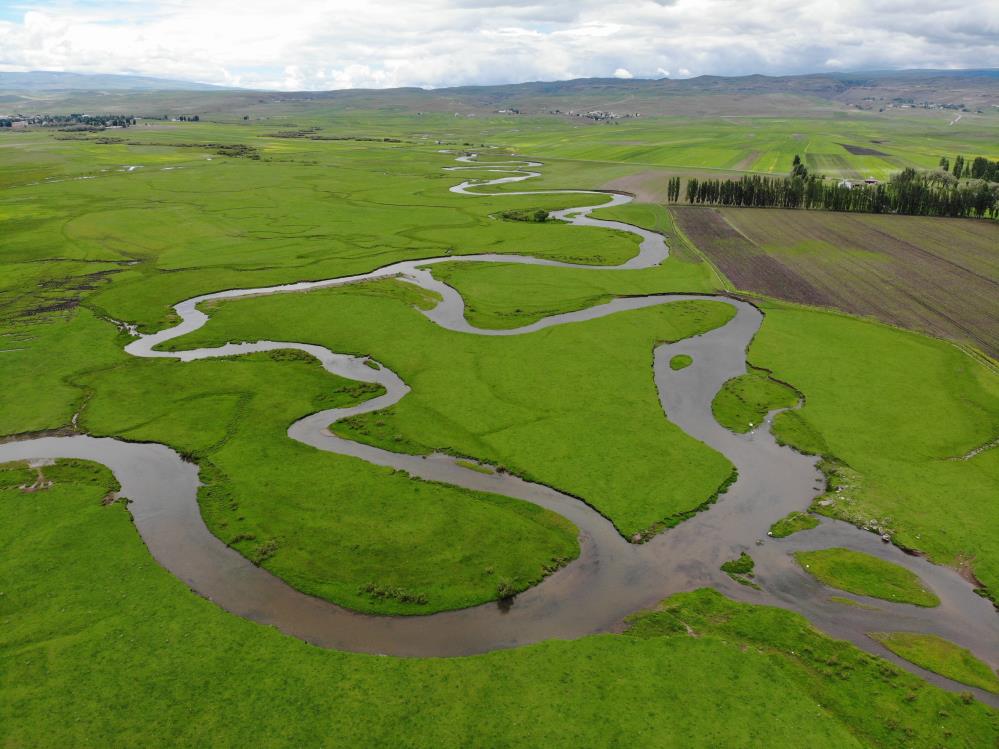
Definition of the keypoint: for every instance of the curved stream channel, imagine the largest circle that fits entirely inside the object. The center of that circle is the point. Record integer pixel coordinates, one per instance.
(612, 577)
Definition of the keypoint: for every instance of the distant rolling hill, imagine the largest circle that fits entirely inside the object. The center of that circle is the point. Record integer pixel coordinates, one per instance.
(45, 80)
(704, 95)
(974, 89)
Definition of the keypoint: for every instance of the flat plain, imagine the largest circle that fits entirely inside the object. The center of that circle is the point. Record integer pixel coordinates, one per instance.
(94, 234)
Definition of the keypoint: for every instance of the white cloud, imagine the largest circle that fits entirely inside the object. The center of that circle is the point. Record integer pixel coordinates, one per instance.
(322, 44)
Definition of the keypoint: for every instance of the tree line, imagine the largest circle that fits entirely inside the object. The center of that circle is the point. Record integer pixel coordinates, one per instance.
(909, 192)
(979, 168)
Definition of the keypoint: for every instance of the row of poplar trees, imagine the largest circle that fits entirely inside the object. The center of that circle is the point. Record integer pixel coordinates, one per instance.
(908, 192)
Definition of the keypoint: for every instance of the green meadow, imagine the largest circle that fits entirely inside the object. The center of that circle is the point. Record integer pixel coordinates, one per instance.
(866, 575)
(329, 525)
(899, 416)
(468, 394)
(100, 646)
(887, 460)
(767, 144)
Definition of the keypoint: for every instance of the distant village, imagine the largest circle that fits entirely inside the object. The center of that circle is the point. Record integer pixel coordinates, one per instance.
(81, 122)
(68, 122)
(597, 115)
(870, 102)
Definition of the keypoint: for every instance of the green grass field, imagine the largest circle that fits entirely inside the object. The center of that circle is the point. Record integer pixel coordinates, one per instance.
(469, 395)
(680, 361)
(327, 524)
(900, 414)
(765, 144)
(84, 604)
(856, 572)
(895, 463)
(101, 646)
(495, 293)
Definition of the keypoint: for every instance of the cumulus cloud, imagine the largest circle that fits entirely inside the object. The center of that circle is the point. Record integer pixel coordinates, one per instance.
(325, 44)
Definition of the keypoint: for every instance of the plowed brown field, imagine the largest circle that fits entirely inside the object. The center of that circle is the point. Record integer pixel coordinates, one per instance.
(936, 275)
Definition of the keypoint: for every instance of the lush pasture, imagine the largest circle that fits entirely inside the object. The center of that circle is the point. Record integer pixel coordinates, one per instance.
(900, 465)
(304, 210)
(900, 415)
(40, 356)
(549, 405)
(508, 296)
(756, 142)
(329, 525)
(188, 221)
(102, 647)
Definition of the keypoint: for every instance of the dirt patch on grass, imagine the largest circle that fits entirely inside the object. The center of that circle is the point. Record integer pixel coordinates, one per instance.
(862, 150)
(44, 309)
(49, 297)
(935, 275)
(746, 163)
(649, 186)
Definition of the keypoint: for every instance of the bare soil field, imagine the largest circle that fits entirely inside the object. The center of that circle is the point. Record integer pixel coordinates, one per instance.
(936, 275)
(649, 185)
(747, 163)
(862, 150)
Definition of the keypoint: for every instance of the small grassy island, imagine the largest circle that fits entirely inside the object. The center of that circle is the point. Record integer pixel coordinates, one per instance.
(744, 401)
(792, 523)
(856, 572)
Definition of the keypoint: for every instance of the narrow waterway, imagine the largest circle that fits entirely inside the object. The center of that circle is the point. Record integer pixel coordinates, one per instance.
(612, 577)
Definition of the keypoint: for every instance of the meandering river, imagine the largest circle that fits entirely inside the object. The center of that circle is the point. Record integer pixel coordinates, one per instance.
(612, 577)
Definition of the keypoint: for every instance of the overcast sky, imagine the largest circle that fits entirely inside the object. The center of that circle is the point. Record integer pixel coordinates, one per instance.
(324, 44)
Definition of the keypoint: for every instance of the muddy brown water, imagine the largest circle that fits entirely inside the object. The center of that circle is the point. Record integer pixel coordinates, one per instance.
(612, 577)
